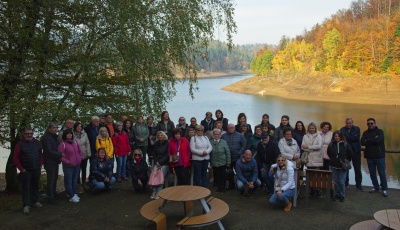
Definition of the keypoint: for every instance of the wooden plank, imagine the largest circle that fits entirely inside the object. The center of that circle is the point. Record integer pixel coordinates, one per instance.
(151, 209)
(393, 217)
(382, 217)
(219, 209)
(367, 224)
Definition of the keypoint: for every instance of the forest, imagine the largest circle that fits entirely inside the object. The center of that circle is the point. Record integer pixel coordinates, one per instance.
(363, 40)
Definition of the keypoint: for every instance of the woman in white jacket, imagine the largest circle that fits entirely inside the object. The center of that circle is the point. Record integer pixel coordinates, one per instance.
(289, 147)
(201, 148)
(312, 146)
(284, 183)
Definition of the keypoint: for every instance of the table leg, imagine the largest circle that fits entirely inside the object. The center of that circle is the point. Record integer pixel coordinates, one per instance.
(188, 207)
(205, 205)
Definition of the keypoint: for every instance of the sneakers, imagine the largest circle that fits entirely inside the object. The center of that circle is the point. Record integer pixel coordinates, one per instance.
(74, 199)
(38, 205)
(26, 209)
(384, 193)
(373, 190)
(288, 207)
(153, 195)
(76, 195)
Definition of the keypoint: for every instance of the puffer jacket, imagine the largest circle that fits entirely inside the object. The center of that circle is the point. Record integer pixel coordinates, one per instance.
(198, 144)
(246, 171)
(121, 144)
(285, 178)
(72, 151)
(220, 154)
(84, 144)
(236, 143)
(289, 150)
(107, 145)
(314, 142)
(374, 142)
(50, 146)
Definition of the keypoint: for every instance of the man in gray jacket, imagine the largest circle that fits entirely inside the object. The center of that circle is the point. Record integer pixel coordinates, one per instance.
(237, 146)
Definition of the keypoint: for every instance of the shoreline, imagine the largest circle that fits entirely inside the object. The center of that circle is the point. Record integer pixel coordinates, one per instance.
(217, 74)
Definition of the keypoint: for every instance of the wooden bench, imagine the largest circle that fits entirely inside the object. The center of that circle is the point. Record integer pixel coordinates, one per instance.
(319, 179)
(151, 211)
(218, 210)
(367, 225)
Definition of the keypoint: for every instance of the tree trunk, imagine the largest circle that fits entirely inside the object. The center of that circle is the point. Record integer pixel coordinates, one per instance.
(13, 184)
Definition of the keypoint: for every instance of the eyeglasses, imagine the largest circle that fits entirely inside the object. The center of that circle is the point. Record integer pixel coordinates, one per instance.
(28, 133)
(370, 123)
(136, 155)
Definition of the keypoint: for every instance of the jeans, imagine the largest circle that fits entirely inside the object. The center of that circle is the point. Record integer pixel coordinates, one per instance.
(121, 166)
(71, 175)
(268, 177)
(30, 186)
(379, 164)
(100, 185)
(200, 172)
(356, 159)
(164, 169)
(240, 185)
(339, 179)
(284, 197)
(52, 176)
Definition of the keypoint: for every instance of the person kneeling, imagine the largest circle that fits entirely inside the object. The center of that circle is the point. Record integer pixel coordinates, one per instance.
(101, 171)
(139, 169)
(247, 174)
(284, 183)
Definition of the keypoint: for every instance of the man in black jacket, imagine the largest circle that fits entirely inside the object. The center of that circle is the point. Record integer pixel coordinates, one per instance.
(52, 159)
(374, 141)
(267, 154)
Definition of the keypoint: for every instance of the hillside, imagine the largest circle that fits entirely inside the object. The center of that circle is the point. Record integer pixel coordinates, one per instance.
(359, 90)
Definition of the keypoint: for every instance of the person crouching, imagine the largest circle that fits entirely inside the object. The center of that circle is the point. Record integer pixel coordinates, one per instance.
(101, 171)
(139, 169)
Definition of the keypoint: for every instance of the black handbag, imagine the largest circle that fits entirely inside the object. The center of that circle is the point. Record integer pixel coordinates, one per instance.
(346, 165)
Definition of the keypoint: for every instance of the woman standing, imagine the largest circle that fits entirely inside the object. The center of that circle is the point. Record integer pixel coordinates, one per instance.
(182, 125)
(83, 141)
(165, 125)
(240, 120)
(128, 129)
(142, 135)
(289, 147)
(179, 147)
(139, 169)
(299, 132)
(326, 135)
(220, 117)
(151, 126)
(103, 140)
(101, 171)
(265, 121)
(220, 159)
(122, 149)
(284, 124)
(284, 183)
(160, 159)
(252, 143)
(244, 131)
(312, 147)
(338, 151)
(201, 149)
(71, 163)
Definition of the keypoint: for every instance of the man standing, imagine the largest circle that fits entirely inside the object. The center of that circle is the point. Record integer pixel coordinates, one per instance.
(28, 158)
(69, 124)
(374, 142)
(110, 125)
(92, 130)
(237, 145)
(247, 174)
(352, 135)
(267, 154)
(52, 159)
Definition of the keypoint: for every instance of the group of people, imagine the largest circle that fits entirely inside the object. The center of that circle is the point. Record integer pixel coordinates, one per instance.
(235, 154)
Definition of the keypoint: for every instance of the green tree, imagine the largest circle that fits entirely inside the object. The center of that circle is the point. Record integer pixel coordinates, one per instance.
(262, 63)
(73, 59)
(330, 46)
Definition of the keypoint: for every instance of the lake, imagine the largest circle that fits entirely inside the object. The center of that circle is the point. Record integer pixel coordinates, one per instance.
(209, 97)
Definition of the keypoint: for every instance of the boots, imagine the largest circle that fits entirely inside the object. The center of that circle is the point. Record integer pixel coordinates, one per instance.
(288, 207)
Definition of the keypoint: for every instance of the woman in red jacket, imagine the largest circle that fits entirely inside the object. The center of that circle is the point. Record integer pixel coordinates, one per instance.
(122, 149)
(179, 155)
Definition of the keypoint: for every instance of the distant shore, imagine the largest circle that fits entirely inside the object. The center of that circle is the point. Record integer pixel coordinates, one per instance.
(218, 74)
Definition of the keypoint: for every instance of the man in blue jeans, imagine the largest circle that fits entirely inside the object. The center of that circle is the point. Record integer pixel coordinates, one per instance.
(247, 174)
(374, 142)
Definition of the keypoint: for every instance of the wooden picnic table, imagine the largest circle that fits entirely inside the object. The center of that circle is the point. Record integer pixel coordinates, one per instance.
(389, 218)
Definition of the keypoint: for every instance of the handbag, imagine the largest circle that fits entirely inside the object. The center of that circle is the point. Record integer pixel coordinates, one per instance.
(346, 165)
(156, 178)
(174, 158)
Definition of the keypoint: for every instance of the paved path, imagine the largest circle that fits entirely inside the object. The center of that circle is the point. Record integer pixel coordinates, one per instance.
(119, 209)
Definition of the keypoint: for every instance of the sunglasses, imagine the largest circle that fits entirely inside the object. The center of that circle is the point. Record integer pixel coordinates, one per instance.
(281, 160)
(370, 123)
(136, 155)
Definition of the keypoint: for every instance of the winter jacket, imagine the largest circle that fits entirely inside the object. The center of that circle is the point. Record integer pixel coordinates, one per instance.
(121, 144)
(107, 144)
(288, 150)
(246, 171)
(314, 150)
(84, 144)
(236, 143)
(139, 170)
(352, 137)
(100, 169)
(238, 128)
(166, 128)
(285, 178)
(183, 147)
(252, 143)
(374, 142)
(72, 151)
(326, 139)
(338, 152)
(267, 153)
(220, 154)
(141, 131)
(132, 138)
(92, 134)
(161, 152)
(51, 155)
(208, 126)
(28, 155)
(199, 144)
(278, 134)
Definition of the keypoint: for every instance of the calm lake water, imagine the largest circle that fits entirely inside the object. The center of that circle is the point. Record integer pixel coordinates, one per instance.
(210, 98)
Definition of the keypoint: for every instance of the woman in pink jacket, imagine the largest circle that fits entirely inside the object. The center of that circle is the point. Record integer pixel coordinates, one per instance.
(122, 149)
(71, 163)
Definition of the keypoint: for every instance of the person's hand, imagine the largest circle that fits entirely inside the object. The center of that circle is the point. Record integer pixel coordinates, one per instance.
(271, 170)
(62, 154)
(204, 153)
(262, 170)
(106, 179)
(294, 157)
(305, 146)
(141, 140)
(139, 182)
(158, 165)
(279, 193)
(228, 165)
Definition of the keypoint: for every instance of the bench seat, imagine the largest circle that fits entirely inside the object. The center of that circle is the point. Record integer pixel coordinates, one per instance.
(152, 212)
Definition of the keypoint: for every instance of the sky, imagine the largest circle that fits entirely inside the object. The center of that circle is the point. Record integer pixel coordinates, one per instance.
(266, 21)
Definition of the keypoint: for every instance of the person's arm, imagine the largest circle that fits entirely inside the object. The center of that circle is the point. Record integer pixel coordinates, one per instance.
(48, 148)
(282, 150)
(17, 157)
(254, 177)
(227, 153)
(109, 148)
(209, 146)
(87, 146)
(290, 174)
(318, 145)
(243, 144)
(62, 149)
(193, 147)
(239, 174)
(349, 151)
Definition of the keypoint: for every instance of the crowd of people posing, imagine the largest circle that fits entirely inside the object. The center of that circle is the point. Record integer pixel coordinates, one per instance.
(236, 155)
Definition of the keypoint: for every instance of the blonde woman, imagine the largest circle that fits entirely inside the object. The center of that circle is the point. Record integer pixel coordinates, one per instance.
(201, 148)
(284, 183)
(160, 159)
(103, 140)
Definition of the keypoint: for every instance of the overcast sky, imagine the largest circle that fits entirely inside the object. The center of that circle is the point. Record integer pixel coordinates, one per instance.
(266, 21)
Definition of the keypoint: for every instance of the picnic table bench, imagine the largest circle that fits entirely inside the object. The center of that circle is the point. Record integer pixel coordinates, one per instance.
(151, 211)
